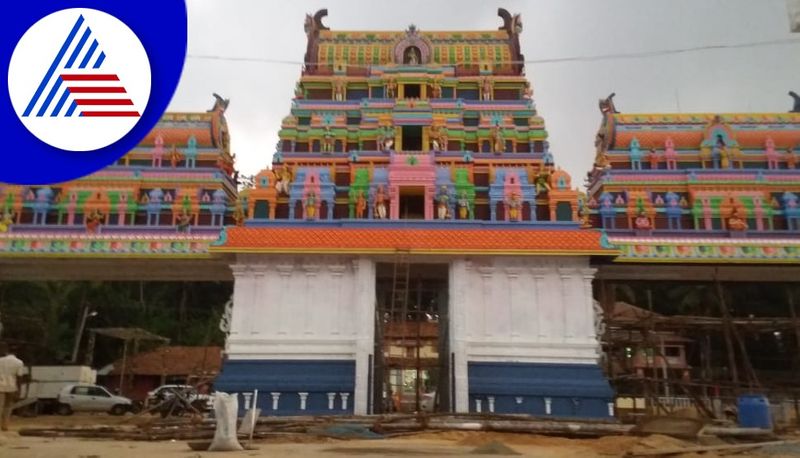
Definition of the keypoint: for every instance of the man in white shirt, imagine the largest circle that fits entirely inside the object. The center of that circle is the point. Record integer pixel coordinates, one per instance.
(11, 369)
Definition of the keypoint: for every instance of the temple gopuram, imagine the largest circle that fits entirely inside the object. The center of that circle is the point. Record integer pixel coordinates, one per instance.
(703, 208)
(414, 246)
(151, 215)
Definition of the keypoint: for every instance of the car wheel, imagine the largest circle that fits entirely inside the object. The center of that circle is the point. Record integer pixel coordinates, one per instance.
(64, 409)
(119, 409)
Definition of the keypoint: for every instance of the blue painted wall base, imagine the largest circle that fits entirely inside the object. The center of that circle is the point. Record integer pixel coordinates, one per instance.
(318, 378)
(571, 390)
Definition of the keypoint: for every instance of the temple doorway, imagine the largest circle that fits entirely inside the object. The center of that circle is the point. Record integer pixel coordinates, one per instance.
(412, 202)
(412, 138)
(412, 364)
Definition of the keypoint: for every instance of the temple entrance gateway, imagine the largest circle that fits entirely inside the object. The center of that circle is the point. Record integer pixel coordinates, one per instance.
(411, 367)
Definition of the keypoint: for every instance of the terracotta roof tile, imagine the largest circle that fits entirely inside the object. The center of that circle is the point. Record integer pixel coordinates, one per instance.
(284, 239)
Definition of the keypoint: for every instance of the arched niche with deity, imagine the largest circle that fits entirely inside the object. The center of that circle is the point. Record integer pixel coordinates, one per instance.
(413, 49)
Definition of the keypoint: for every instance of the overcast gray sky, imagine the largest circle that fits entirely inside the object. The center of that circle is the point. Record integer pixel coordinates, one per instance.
(724, 80)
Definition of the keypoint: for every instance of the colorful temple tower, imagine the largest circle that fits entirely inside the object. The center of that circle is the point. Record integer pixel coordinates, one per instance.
(164, 201)
(414, 246)
(698, 188)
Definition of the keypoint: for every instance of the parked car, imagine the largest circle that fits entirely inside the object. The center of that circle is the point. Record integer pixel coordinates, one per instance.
(91, 398)
(177, 399)
(39, 394)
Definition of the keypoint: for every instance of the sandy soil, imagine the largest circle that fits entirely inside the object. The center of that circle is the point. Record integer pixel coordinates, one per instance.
(445, 444)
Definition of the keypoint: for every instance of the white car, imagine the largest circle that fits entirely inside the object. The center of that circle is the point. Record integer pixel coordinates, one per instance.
(91, 398)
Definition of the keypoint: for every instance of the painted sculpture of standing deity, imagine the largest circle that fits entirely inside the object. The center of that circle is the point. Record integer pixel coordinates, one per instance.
(463, 205)
(339, 90)
(283, 179)
(738, 220)
(327, 140)
(791, 159)
(498, 143)
(514, 204)
(436, 89)
(6, 221)
(527, 93)
(311, 205)
(391, 88)
(600, 157)
(361, 205)
(486, 89)
(380, 203)
(443, 198)
(183, 222)
(642, 222)
(93, 221)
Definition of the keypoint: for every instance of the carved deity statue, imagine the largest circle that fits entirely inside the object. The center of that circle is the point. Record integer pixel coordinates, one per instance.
(6, 221)
(183, 222)
(412, 56)
(463, 205)
(435, 133)
(487, 89)
(174, 157)
(361, 205)
(436, 89)
(738, 219)
(327, 140)
(642, 222)
(339, 90)
(654, 159)
(93, 221)
(443, 200)
(514, 207)
(600, 157)
(283, 179)
(380, 203)
(527, 93)
(310, 205)
(498, 142)
(391, 88)
(791, 159)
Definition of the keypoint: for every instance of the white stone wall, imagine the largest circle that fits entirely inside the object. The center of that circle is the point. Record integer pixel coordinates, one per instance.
(532, 310)
(304, 308)
(502, 309)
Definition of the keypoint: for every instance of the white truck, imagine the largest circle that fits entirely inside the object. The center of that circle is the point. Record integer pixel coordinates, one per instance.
(40, 393)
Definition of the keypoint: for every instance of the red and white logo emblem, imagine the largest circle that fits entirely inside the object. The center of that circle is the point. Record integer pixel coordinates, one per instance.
(79, 79)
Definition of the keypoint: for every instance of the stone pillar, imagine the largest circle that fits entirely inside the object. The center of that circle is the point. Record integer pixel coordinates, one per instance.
(364, 298)
(430, 193)
(459, 286)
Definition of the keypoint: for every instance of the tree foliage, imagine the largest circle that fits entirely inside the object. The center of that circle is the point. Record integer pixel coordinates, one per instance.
(41, 319)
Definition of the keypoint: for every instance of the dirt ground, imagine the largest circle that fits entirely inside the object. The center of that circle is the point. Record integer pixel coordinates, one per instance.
(442, 444)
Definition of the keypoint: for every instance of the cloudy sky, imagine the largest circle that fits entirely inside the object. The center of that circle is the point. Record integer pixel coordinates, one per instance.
(737, 79)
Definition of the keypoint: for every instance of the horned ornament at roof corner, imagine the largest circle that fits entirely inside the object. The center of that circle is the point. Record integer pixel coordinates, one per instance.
(511, 24)
(607, 104)
(314, 24)
(796, 98)
(220, 104)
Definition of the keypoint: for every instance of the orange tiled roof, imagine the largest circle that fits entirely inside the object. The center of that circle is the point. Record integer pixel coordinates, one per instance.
(288, 239)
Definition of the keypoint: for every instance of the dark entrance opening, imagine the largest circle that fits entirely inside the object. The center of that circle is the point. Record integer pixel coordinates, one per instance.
(412, 202)
(412, 138)
(412, 364)
(412, 91)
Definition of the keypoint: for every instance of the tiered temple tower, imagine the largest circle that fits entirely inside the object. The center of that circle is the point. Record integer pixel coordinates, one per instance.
(698, 188)
(165, 201)
(414, 246)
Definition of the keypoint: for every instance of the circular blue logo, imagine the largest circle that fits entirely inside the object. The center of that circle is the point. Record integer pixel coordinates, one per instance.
(86, 82)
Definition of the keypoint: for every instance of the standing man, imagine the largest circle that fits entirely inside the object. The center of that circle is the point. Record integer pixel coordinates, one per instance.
(11, 369)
